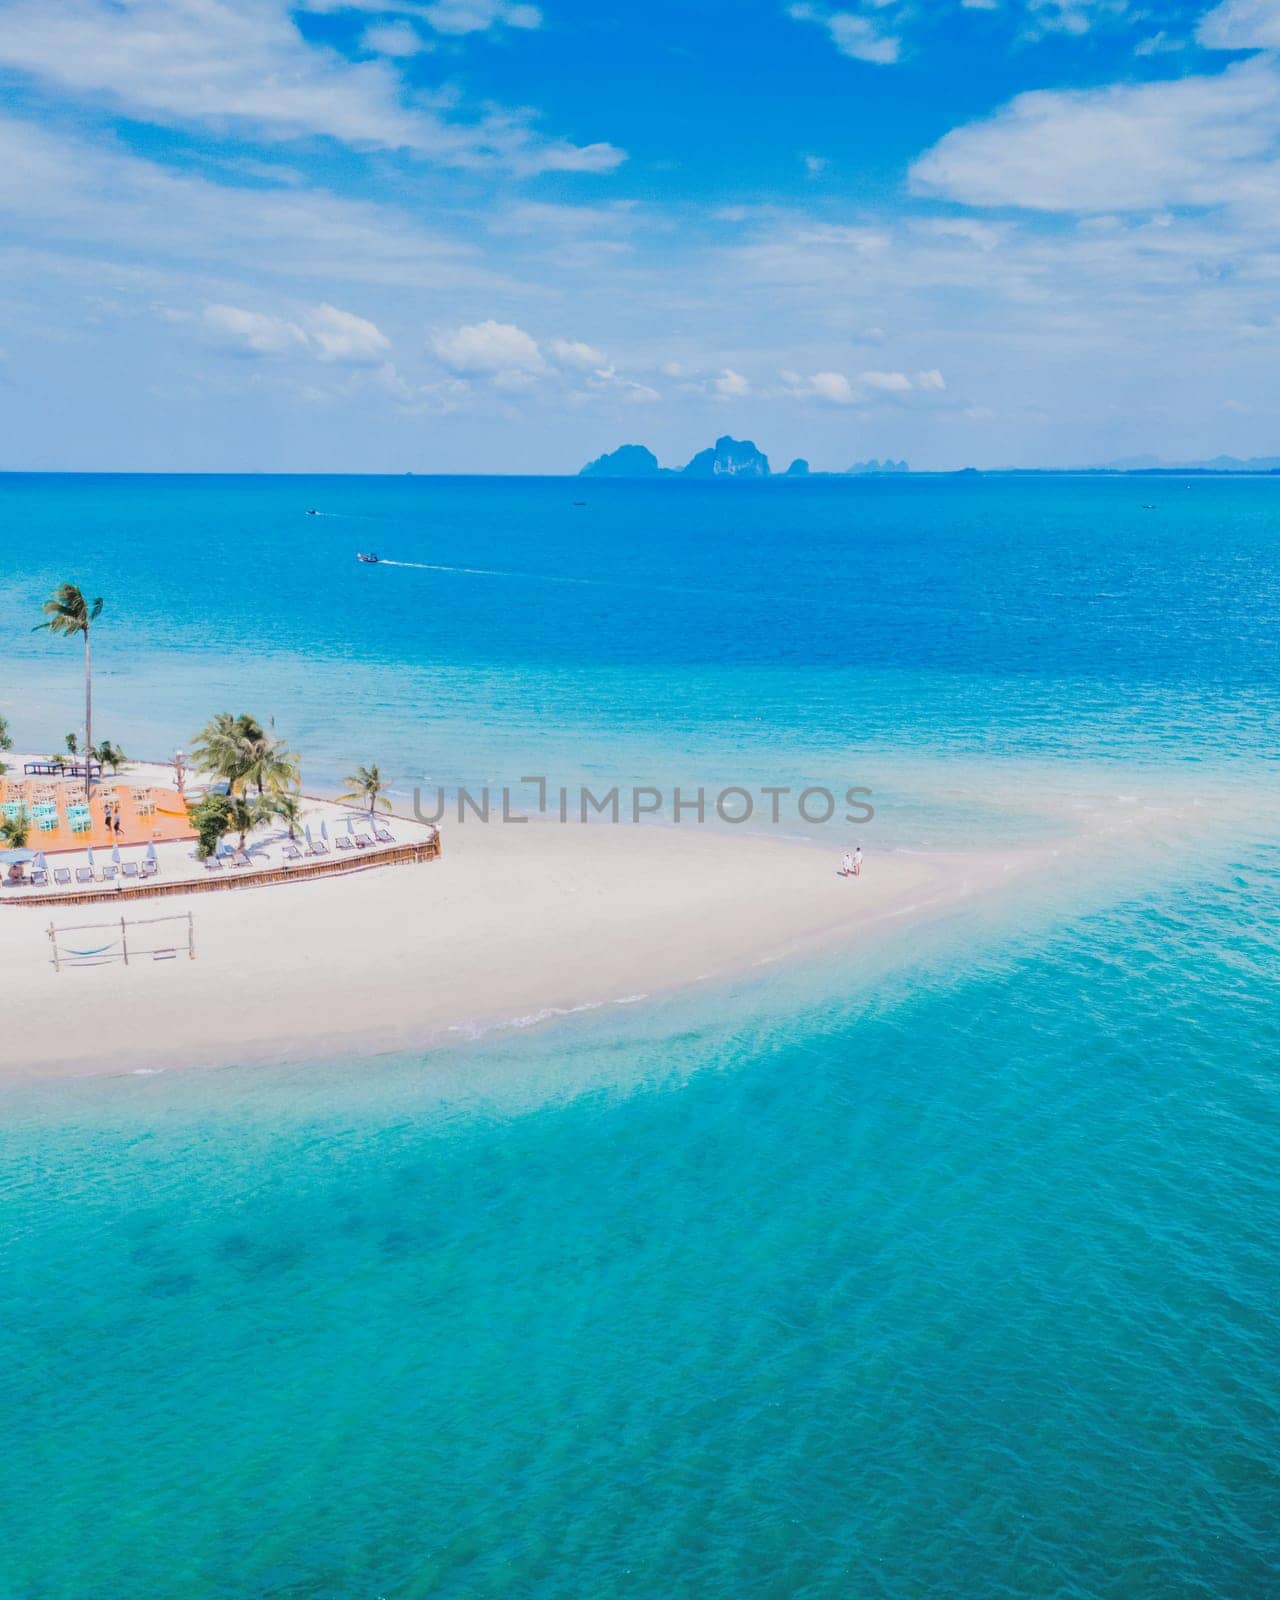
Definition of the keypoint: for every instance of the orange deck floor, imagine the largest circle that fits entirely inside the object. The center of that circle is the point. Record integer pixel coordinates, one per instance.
(147, 815)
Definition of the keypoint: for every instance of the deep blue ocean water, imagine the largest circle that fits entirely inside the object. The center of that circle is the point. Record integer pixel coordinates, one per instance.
(951, 1276)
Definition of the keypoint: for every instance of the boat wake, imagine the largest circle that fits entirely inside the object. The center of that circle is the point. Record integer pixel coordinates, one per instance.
(493, 572)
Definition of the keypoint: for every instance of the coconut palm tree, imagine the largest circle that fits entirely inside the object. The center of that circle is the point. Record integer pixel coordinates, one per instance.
(6, 742)
(70, 614)
(269, 766)
(288, 807)
(15, 832)
(367, 784)
(109, 755)
(218, 747)
(217, 815)
(241, 750)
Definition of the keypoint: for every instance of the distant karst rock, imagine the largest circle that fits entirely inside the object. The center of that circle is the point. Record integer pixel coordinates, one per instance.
(799, 468)
(861, 468)
(627, 461)
(729, 458)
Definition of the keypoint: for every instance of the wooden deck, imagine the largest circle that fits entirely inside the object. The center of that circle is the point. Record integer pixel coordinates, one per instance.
(229, 878)
(148, 815)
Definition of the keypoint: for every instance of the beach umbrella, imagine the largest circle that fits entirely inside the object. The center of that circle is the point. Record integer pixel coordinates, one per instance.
(91, 855)
(115, 854)
(151, 851)
(306, 833)
(324, 829)
(41, 864)
(15, 858)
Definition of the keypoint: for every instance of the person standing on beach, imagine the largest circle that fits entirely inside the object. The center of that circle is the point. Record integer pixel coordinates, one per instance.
(846, 865)
(857, 862)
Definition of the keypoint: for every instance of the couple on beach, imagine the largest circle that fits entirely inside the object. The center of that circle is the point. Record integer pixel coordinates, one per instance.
(851, 866)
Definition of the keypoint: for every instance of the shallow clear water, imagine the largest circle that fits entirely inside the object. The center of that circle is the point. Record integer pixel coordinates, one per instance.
(950, 1275)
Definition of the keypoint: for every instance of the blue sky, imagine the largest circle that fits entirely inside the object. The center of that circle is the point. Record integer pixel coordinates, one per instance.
(492, 235)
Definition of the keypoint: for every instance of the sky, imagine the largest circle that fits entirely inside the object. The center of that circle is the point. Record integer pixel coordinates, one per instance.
(498, 236)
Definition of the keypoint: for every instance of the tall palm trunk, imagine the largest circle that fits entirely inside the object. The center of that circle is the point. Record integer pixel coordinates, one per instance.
(88, 718)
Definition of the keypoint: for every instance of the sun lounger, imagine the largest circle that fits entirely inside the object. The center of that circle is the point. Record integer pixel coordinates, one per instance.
(319, 848)
(84, 874)
(363, 841)
(109, 874)
(383, 837)
(39, 879)
(291, 852)
(129, 869)
(62, 875)
(344, 843)
(149, 869)
(241, 859)
(212, 864)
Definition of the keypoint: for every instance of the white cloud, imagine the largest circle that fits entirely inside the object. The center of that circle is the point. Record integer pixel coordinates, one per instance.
(1197, 141)
(253, 333)
(573, 353)
(815, 166)
(324, 332)
(836, 389)
(244, 64)
(497, 349)
(1241, 25)
(852, 33)
(885, 382)
(477, 16)
(342, 336)
(832, 387)
(1158, 44)
(400, 39)
(730, 385)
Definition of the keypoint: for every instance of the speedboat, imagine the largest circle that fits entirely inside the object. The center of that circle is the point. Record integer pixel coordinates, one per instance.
(369, 560)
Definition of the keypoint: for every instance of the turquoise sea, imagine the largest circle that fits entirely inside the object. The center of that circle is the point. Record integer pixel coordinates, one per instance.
(951, 1272)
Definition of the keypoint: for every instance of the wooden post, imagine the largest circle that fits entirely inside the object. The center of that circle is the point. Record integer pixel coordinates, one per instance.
(191, 937)
(53, 940)
(124, 941)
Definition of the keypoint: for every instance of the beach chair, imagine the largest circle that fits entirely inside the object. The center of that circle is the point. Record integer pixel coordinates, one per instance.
(344, 843)
(62, 876)
(148, 869)
(213, 864)
(84, 874)
(39, 879)
(291, 852)
(319, 848)
(109, 873)
(129, 869)
(383, 836)
(363, 841)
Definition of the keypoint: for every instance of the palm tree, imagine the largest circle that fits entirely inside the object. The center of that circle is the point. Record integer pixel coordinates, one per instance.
(288, 807)
(240, 750)
(217, 748)
(269, 767)
(6, 742)
(15, 832)
(219, 814)
(109, 755)
(367, 784)
(69, 614)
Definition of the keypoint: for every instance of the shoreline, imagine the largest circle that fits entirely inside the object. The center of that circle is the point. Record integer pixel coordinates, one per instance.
(510, 928)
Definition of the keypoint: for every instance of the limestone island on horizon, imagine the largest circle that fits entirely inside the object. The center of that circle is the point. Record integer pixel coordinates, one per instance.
(727, 458)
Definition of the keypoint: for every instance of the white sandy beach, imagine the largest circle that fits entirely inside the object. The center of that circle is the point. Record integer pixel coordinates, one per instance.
(512, 924)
